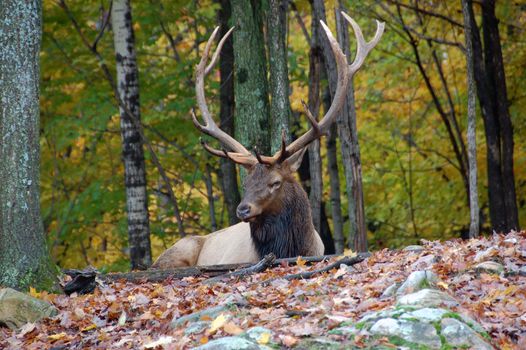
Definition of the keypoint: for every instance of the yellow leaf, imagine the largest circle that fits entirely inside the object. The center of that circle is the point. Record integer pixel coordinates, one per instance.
(217, 323)
(57, 336)
(89, 328)
(264, 338)
(232, 328)
(203, 340)
(33, 292)
(443, 285)
(300, 261)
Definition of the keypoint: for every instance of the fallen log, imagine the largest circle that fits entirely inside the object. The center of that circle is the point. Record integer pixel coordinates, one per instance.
(154, 275)
(262, 265)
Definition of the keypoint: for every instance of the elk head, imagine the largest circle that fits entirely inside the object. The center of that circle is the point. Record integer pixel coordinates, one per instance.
(268, 176)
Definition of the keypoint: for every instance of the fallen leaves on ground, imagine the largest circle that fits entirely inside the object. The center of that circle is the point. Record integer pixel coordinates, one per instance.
(128, 315)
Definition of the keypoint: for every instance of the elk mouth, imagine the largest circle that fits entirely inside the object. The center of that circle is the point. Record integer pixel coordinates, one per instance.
(249, 219)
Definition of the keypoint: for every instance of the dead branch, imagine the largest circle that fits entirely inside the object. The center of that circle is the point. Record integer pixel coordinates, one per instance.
(347, 260)
(261, 266)
(209, 271)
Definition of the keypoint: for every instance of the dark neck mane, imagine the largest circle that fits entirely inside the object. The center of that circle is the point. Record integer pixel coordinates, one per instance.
(287, 233)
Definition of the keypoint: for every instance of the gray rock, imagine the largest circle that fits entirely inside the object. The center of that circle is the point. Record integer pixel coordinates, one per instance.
(196, 327)
(459, 334)
(427, 298)
(255, 333)
(522, 270)
(490, 267)
(416, 281)
(212, 312)
(414, 248)
(17, 309)
(319, 344)
(414, 332)
(486, 254)
(424, 262)
(347, 330)
(390, 291)
(230, 343)
(426, 314)
(376, 315)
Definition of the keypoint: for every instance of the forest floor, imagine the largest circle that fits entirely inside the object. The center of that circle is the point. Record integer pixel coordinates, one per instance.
(130, 315)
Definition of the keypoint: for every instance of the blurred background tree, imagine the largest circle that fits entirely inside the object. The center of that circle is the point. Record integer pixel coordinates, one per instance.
(410, 113)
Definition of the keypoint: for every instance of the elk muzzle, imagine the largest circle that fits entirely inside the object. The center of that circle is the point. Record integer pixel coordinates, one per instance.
(243, 211)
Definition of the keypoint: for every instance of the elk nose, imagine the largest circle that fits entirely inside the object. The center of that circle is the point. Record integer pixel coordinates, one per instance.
(243, 211)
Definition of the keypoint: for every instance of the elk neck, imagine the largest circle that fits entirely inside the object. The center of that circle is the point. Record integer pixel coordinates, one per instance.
(288, 230)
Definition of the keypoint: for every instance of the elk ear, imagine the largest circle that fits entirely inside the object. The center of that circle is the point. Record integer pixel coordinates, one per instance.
(294, 161)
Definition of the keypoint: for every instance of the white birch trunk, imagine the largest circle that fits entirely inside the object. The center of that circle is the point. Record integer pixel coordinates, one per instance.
(132, 147)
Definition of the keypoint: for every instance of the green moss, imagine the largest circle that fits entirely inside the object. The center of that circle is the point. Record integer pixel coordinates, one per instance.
(43, 277)
(454, 315)
(407, 344)
(359, 325)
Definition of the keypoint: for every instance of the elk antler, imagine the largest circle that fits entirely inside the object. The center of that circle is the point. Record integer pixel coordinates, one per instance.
(345, 74)
(236, 151)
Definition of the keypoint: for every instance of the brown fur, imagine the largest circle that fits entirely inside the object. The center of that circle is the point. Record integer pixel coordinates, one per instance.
(280, 221)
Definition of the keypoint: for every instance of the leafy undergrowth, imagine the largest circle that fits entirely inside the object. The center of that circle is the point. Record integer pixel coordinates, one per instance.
(127, 315)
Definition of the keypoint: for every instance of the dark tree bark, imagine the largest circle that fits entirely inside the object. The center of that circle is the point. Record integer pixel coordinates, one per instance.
(325, 230)
(210, 195)
(278, 77)
(24, 258)
(226, 114)
(250, 81)
(497, 82)
(132, 146)
(334, 180)
(350, 147)
(472, 145)
(315, 162)
(350, 158)
(487, 94)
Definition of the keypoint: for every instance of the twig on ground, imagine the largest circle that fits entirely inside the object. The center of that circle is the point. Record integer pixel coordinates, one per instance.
(347, 260)
(262, 265)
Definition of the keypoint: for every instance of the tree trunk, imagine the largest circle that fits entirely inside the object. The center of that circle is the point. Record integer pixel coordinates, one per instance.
(334, 180)
(472, 144)
(351, 152)
(315, 163)
(132, 147)
(325, 230)
(497, 80)
(210, 196)
(250, 83)
(24, 258)
(226, 114)
(497, 208)
(278, 77)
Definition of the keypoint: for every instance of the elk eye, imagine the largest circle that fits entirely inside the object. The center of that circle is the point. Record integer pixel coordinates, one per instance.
(275, 184)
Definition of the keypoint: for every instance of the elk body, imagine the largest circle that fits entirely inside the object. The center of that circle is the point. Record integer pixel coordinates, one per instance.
(275, 209)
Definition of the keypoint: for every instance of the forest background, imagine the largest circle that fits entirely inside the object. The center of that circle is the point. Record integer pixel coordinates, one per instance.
(413, 84)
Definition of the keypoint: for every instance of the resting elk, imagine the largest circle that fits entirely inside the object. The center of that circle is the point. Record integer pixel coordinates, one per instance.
(275, 211)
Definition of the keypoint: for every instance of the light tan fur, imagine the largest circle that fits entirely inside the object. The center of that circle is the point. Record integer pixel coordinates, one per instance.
(232, 245)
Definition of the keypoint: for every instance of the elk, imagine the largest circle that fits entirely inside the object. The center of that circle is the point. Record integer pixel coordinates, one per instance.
(275, 211)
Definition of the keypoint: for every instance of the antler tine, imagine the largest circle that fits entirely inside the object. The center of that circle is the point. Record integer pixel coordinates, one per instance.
(239, 158)
(215, 56)
(345, 73)
(363, 47)
(312, 120)
(240, 153)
